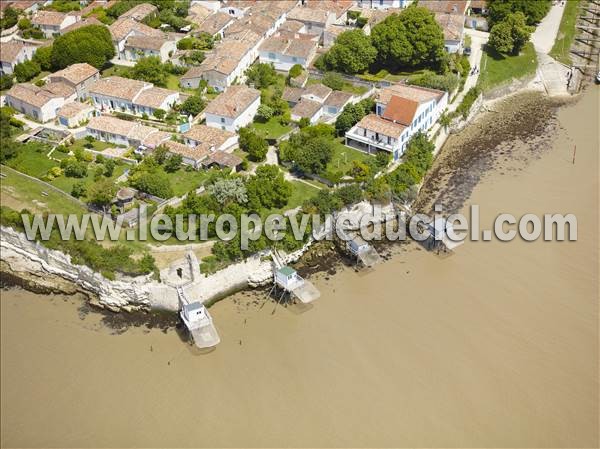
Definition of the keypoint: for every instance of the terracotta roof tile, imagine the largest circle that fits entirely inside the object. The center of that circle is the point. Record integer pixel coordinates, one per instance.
(76, 73)
(401, 110)
(232, 102)
(374, 123)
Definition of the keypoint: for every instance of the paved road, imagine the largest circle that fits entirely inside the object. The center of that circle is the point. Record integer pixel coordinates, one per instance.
(545, 34)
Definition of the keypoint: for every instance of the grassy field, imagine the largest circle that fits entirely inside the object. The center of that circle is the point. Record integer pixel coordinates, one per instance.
(20, 192)
(271, 129)
(566, 33)
(343, 157)
(498, 69)
(66, 183)
(32, 161)
(183, 181)
(80, 144)
(348, 86)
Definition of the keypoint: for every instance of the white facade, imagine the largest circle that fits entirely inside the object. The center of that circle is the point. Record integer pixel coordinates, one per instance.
(111, 103)
(384, 4)
(131, 53)
(43, 113)
(114, 138)
(53, 30)
(285, 62)
(24, 54)
(427, 113)
(233, 124)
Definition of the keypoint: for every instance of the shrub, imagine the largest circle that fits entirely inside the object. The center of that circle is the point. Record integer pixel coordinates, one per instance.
(333, 80)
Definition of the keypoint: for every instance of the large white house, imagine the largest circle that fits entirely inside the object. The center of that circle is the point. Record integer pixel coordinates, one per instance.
(131, 96)
(13, 53)
(51, 23)
(125, 27)
(233, 109)
(137, 47)
(401, 111)
(284, 52)
(124, 132)
(40, 103)
(79, 76)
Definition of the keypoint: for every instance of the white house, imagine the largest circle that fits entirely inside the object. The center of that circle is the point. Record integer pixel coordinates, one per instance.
(225, 64)
(52, 22)
(75, 113)
(284, 53)
(79, 76)
(314, 20)
(401, 111)
(124, 27)
(140, 12)
(215, 24)
(131, 96)
(453, 26)
(40, 103)
(13, 53)
(137, 47)
(124, 132)
(233, 109)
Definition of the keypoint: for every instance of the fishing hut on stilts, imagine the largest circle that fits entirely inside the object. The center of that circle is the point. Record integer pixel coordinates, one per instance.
(436, 236)
(287, 282)
(198, 321)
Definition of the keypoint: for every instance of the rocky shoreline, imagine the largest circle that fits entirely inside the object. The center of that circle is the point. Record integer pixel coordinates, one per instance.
(466, 156)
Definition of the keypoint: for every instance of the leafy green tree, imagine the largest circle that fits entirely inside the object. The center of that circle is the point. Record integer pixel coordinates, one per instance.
(409, 39)
(6, 82)
(268, 189)
(227, 190)
(9, 18)
(147, 264)
(43, 56)
(352, 114)
(253, 144)
(91, 44)
(173, 163)
(153, 182)
(160, 154)
(324, 202)
(351, 53)
(79, 189)
(295, 71)
(27, 70)
(432, 80)
(534, 11)
(101, 193)
(193, 105)
(24, 23)
(333, 80)
(262, 75)
(109, 167)
(151, 70)
(194, 58)
(511, 34)
(159, 113)
(309, 154)
(74, 168)
(349, 194)
(264, 113)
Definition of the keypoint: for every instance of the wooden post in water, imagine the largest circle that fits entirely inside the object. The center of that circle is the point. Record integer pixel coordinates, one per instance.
(574, 152)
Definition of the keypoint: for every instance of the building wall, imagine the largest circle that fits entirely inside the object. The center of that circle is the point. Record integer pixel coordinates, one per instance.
(73, 122)
(42, 114)
(81, 88)
(229, 124)
(281, 61)
(314, 119)
(108, 137)
(25, 54)
(133, 54)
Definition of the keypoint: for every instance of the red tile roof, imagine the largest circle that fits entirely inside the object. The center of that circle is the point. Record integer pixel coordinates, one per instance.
(401, 110)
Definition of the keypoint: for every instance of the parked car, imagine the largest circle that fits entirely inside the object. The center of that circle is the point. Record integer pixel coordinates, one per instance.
(467, 51)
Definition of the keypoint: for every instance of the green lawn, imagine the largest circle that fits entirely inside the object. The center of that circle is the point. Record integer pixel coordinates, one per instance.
(66, 183)
(20, 192)
(173, 82)
(32, 160)
(343, 157)
(271, 129)
(566, 33)
(98, 146)
(498, 69)
(184, 181)
(348, 86)
(384, 74)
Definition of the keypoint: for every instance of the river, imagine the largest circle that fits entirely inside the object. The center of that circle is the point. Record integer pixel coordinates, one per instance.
(495, 346)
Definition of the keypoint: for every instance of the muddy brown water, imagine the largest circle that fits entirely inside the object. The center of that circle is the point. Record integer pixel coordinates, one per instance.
(495, 346)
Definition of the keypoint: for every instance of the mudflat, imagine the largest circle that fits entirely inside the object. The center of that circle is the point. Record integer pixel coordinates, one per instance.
(495, 346)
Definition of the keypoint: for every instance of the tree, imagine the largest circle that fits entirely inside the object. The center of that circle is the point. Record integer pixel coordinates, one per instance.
(173, 163)
(24, 23)
(261, 75)
(79, 189)
(147, 264)
(101, 193)
(151, 70)
(349, 194)
(295, 71)
(268, 189)
(511, 34)
(160, 113)
(160, 154)
(411, 38)
(109, 167)
(228, 190)
(264, 113)
(74, 168)
(324, 202)
(6, 82)
(153, 182)
(27, 70)
(333, 80)
(9, 18)
(193, 105)
(352, 114)
(309, 154)
(43, 56)
(534, 11)
(351, 53)
(253, 144)
(91, 44)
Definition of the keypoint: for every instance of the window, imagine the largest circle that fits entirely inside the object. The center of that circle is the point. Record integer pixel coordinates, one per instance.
(223, 120)
(294, 59)
(272, 56)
